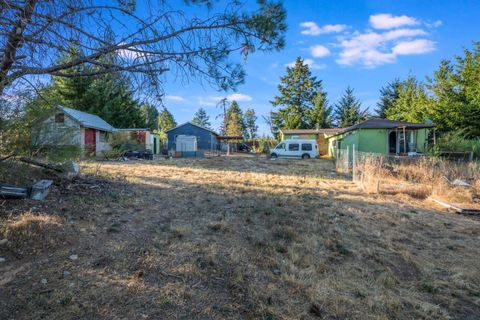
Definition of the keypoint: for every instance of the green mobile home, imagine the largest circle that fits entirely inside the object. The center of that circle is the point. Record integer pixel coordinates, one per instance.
(387, 137)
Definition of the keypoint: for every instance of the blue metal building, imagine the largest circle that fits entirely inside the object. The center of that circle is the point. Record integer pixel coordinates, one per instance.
(206, 139)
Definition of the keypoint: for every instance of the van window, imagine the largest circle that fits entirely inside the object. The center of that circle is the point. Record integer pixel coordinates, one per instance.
(280, 146)
(306, 147)
(293, 147)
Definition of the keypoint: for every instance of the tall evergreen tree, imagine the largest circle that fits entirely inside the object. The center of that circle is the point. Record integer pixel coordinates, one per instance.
(235, 125)
(456, 94)
(201, 118)
(412, 103)
(348, 110)
(110, 98)
(150, 114)
(251, 123)
(165, 122)
(300, 93)
(320, 115)
(389, 95)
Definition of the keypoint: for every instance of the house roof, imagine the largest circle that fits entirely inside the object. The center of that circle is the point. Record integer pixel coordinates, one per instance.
(311, 131)
(385, 124)
(193, 124)
(88, 120)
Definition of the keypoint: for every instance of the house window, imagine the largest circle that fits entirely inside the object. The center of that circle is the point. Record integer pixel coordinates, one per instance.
(59, 118)
(102, 136)
(306, 146)
(293, 147)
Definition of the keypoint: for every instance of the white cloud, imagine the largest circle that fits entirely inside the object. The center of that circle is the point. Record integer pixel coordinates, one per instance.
(313, 29)
(174, 98)
(402, 33)
(130, 54)
(418, 46)
(435, 24)
(319, 51)
(208, 101)
(372, 48)
(212, 101)
(388, 21)
(312, 64)
(239, 97)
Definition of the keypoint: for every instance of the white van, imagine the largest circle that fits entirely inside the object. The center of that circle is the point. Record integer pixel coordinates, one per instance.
(295, 148)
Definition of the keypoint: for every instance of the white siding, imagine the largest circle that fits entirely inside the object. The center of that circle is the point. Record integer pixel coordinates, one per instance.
(53, 133)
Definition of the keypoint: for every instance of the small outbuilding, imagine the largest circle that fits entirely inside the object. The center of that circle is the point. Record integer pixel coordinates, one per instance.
(205, 139)
(387, 137)
(67, 127)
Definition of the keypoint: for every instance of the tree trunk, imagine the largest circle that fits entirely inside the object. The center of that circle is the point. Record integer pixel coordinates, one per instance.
(41, 164)
(14, 41)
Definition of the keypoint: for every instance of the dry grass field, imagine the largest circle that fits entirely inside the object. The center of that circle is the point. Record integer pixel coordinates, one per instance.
(233, 238)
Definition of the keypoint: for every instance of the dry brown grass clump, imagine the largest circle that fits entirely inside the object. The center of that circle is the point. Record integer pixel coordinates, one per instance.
(34, 233)
(419, 177)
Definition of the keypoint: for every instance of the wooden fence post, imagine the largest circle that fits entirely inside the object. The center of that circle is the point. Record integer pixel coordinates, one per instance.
(353, 162)
(347, 160)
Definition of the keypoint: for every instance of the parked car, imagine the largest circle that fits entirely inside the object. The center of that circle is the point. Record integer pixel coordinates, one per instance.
(242, 147)
(294, 148)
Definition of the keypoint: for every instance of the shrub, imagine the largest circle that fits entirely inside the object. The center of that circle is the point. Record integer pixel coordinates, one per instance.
(456, 141)
(121, 142)
(264, 144)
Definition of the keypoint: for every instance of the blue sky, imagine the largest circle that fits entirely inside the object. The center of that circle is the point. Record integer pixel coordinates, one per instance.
(364, 44)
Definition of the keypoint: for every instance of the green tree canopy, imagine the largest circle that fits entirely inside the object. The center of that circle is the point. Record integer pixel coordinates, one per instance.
(251, 123)
(320, 115)
(201, 118)
(235, 125)
(389, 95)
(150, 114)
(455, 89)
(348, 110)
(412, 103)
(302, 102)
(165, 122)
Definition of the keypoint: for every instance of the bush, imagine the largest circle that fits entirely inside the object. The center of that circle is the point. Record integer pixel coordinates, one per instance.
(456, 141)
(121, 142)
(264, 144)
(60, 153)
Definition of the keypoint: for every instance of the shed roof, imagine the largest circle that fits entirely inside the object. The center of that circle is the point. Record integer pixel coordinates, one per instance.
(385, 124)
(193, 124)
(88, 120)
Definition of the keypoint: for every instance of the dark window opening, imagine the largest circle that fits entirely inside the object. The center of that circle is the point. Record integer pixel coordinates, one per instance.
(293, 147)
(59, 118)
(306, 146)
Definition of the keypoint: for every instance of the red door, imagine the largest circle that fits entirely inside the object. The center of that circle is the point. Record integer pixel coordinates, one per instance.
(90, 146)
